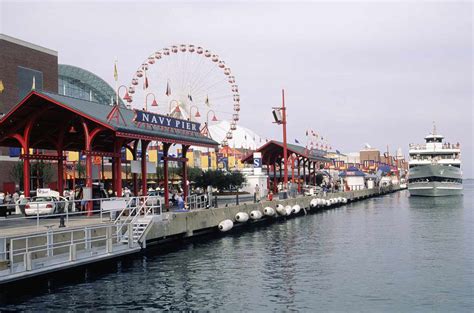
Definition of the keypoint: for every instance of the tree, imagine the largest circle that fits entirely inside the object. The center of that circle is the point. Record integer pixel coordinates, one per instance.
(16, 173)
(220, 180)
(81, 170)
(237, 179)
(44, 172)
(193, 173)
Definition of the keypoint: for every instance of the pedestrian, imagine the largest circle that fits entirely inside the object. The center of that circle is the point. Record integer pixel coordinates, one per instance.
(257, 193)
(16, 196)
(83, 201)
(180, 201)
(270, 196)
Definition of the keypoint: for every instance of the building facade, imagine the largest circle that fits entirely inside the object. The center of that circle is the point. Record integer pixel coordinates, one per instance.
(23, 66)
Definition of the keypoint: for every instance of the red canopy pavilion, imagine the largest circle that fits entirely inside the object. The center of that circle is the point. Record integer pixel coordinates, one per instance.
(298, 157)
(49, 121)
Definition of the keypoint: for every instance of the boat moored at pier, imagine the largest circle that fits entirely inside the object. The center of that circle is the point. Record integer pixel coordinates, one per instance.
(435, 168)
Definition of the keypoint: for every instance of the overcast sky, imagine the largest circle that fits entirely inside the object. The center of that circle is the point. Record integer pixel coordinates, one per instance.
(356, 72)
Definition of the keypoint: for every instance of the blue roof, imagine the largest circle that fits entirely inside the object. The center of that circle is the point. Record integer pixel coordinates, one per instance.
(352, 171)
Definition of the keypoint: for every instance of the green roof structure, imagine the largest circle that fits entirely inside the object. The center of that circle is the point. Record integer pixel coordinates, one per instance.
(80, 83)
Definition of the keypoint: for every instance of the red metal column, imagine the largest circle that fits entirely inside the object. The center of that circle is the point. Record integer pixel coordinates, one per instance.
(292, 170)
(60, 173)
(87, 148)
(26, 173)
(134, 175)
(166, 147)
(112, 160)
(268, 177)
(118, 167)
(185, 172)
(281, 173)
(145, 144)
(275, 190)
(299, 177)
(304, 171)
(314, 169)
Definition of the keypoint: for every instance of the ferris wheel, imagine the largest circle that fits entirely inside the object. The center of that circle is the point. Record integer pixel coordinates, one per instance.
(188, 82)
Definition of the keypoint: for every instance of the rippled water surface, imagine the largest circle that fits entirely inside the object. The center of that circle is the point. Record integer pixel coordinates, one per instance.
(393, 253)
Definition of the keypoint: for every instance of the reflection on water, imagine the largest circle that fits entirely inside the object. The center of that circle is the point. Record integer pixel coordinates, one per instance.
(392, 253)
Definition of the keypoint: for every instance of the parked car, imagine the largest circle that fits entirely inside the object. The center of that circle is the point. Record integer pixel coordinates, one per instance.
(46, 205)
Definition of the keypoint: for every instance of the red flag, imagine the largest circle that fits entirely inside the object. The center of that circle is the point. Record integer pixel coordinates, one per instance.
(168, 89)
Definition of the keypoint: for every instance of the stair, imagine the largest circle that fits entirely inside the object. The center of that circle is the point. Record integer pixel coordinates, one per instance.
(138, 229)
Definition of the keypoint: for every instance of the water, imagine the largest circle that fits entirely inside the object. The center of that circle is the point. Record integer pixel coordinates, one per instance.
(392, 253)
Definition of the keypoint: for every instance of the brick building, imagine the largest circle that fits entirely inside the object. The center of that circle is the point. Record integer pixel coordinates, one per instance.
(22, 64)
(369, 154)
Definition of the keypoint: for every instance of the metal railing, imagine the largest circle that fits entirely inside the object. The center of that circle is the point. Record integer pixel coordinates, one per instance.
(137, 207)
(49, 249)
(195, 201)
(64, 209)
(67, 210)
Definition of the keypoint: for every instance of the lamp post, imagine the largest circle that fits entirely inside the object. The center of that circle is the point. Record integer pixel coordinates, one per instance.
(153, 104)
(282, 120)
(176, 107)
(126, 97)
(197, 115)
(214, 118)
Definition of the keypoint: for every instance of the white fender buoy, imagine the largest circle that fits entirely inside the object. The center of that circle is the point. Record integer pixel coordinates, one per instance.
(296, 209)
(242, 217)
(321, 201)
(314, 203)
(255, 215)
(225, 225)
(344, 200)
(328, 203)
(288, 210)
(339, 199)
(269, 211)
(280, 209)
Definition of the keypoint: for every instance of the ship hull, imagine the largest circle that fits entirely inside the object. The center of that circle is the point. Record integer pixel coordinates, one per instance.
(435, 189)
(435, 181)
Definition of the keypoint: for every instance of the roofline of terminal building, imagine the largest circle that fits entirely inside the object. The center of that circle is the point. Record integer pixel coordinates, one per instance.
(27, 44)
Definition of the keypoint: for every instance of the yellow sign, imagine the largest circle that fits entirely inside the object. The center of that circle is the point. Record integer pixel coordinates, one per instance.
(73, 156)
(152, 155)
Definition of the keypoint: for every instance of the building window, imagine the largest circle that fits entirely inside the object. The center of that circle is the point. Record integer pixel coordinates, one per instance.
(26, 81)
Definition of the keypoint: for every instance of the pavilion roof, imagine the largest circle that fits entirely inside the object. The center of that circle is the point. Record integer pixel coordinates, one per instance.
(64, 107)
(274, 148)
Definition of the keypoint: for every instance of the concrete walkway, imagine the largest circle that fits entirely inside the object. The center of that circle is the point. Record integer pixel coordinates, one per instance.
(14, 227)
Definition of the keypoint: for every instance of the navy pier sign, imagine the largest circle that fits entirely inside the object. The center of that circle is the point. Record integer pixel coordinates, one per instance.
(166, 121)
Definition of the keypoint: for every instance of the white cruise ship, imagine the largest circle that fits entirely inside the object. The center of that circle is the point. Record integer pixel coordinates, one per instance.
(435, 168)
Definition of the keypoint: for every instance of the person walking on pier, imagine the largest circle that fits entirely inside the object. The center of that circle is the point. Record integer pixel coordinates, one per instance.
(257, 193)
(180, 202)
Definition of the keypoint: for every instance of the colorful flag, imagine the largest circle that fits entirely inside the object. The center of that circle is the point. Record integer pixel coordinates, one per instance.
(168, 89)
(207, 100)
(2, 88)
(306, 133)
(115, 71)
(190, 97)
(33, 86)
(296, 141)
